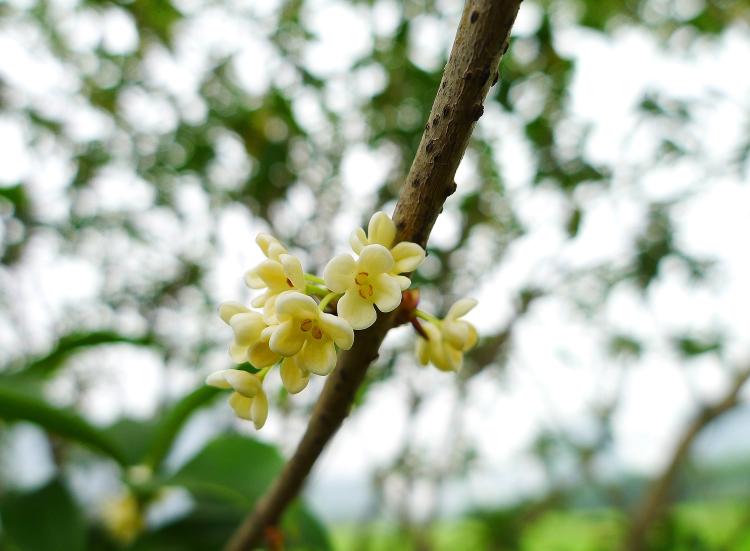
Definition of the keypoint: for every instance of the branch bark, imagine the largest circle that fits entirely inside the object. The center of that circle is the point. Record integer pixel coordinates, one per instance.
(652, 506)
(472, 68)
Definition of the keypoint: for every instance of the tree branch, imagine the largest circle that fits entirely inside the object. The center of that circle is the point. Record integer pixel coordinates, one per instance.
(472, 68)
(652, 506)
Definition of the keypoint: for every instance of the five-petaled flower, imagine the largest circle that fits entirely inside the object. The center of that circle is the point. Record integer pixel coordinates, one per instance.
(381, 230)
(305, 331)
(366, 282)
(448, 340)
(248, 400)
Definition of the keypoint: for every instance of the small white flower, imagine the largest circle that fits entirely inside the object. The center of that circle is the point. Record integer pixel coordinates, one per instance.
(366, 282)
(305, 331)
(449, 340)
(381, 230)
(251, 335)
(281, 272)
(248, 400)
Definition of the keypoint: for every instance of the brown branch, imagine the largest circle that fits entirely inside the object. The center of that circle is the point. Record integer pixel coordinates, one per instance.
(472, 67)
(649, 511)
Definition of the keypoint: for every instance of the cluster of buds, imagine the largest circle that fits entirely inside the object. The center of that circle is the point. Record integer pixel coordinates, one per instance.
(302, 320)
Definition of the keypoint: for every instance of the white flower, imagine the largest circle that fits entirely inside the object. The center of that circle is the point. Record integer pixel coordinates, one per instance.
(279, 273)
(381, 230)
(251, 335)
(449, 340)
(366, 282)
(305, 331)
(248, 400)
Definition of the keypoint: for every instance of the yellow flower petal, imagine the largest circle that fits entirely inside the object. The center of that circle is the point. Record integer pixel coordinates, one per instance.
(318, 357)
(374, 259)
(408, 256)
(273, 275)
(339, 273)
(270, 246)
(461, 308)
(338, 329)
(229, 309)
(216, 379)
(242, 406)
(295, 305)
(360, 313)
(387, 292)
(422, 351)
(238, 353)
(293, 378)
(287, 339)
(358, 240)
(243, 382)
(259, 410)
(381, 230)
(247, 327)
(293, 270)
(261, 355)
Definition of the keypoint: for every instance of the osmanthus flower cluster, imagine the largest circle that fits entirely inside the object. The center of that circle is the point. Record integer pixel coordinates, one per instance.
(300, 321)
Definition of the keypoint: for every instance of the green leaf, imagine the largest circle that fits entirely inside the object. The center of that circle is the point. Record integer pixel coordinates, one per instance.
(46, 519)
(168, 429)
(16, 406)
(226, 478)
(232, 469)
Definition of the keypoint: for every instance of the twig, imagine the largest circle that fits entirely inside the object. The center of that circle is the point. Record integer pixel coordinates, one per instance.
(472, 68)
(652, 506)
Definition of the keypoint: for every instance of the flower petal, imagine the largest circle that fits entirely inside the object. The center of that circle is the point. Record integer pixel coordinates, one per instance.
(247, 327)
(339, 273)
(408, 256)
(319, 357)
(270, 246)
(293, 378)
(253, 279)
(473, 337)
(273, 275)
(242, 406)
(338, 329)
(403, 282)
(387, 292)
(360, 313)
(422, 350)
(358, 240)
(216, 379)
(287, 339)
(229, 309)
(238, 353)
(461, 308)
(262, 356)
(293, 269)
(296, 305)
(243, 382)
(456, 333)
(454, 357)
(374, 259)
(259, 410)
(381, 230)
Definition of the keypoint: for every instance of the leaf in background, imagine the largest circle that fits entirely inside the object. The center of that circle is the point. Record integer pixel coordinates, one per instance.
(16, 406)
(46, 519)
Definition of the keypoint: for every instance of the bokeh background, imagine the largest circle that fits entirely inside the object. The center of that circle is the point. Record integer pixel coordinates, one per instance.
(602, 219)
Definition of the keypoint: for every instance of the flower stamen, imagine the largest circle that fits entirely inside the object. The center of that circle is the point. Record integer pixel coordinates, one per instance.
(361, 278)
(306, 325)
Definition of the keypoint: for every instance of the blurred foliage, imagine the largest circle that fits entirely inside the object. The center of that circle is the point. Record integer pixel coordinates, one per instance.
(150, 126)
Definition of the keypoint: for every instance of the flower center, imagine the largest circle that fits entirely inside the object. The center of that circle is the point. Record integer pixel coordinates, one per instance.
(289, 282)
(309, 326)
(362, 279)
